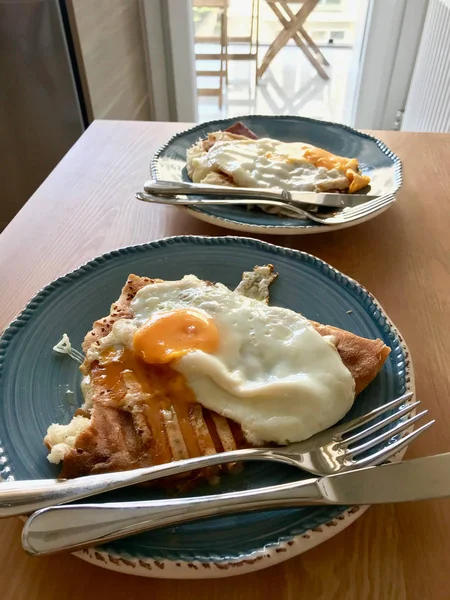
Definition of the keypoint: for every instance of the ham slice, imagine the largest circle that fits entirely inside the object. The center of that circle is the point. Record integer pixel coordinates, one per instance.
(240, 129)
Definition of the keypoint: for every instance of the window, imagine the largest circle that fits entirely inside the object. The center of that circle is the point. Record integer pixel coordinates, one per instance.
(337, 36)
(319, 36)
(331, 6)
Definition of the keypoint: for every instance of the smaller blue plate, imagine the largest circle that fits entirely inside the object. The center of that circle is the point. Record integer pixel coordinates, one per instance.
(376, 160)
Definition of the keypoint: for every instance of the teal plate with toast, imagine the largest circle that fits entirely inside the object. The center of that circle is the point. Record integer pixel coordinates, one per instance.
(375, 159)
(38, 387)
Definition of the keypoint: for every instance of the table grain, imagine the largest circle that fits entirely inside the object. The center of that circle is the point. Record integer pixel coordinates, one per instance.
(87, 207)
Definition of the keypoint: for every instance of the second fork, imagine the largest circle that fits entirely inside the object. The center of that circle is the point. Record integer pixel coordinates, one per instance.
(338, 217)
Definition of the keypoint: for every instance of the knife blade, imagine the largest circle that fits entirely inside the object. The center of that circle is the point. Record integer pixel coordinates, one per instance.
(332, 200)
(335, 200)
(416, 479)
(77, 526)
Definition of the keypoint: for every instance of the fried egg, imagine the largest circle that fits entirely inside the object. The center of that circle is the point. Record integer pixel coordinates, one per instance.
(269, 163)
(264, 367)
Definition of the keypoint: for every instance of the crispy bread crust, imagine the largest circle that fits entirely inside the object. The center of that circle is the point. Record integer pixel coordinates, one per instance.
(119, 310)
(363, 358)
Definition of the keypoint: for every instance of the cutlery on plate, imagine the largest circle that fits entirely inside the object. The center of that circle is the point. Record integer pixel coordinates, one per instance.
(334, 450)
(335, 200)
(340, 216)
(77, 526)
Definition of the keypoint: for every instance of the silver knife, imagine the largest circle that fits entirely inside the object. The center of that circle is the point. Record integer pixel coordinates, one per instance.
(76, 526)
(335, 200)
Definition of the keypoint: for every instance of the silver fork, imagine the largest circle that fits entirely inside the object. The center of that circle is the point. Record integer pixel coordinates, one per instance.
(325, 453)
(337, 217)
(80, 525)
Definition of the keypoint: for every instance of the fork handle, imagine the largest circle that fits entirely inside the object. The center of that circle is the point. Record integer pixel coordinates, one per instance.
(174, 201)
(25, 497)
(78, 526)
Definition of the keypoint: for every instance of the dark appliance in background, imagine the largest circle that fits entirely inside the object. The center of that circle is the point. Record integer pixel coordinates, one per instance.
(42, 111)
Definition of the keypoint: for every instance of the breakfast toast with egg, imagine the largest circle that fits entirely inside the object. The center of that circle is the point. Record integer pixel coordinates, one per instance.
(237, 157)
(127, 428)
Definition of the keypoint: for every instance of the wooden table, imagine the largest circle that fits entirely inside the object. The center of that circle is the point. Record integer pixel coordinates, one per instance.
(86, 207)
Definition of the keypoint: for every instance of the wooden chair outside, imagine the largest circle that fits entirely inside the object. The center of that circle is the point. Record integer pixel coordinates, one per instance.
(252, 39)
(293, 27)
(221, 56)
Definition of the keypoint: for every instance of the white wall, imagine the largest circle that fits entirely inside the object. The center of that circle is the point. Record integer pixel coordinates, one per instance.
(405, 59)
(169, 30)
(392, 37)
(428, 104)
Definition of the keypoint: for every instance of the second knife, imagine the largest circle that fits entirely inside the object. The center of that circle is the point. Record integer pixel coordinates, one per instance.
(333, 200)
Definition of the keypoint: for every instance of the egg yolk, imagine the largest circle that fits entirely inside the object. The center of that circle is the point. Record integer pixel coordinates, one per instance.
(169, 335)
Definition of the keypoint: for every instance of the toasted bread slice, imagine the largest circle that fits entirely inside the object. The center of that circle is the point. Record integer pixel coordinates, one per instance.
(113, 439)
(256, 284)
(362, 357)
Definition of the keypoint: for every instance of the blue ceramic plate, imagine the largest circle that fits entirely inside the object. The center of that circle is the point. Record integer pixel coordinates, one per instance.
(34, 383)
(375, 159)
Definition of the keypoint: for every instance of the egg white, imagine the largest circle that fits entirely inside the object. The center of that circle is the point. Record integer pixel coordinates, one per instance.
(272, 372)
(268, 163)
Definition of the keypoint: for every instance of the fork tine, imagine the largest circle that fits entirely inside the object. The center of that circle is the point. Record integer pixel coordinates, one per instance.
(368, 206)
(379, 205)
(355, 423)
(361, 208)
(382, 455)
(365, 432)
(376, 201)
(358, 213)
(372, 206)
(406, 424)
(380, 201)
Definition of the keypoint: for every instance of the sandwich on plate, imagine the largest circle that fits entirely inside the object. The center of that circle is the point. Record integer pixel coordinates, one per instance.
(236, 157)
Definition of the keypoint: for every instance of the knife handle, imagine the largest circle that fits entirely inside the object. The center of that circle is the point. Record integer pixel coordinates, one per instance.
(77, 526)
(172, 188)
